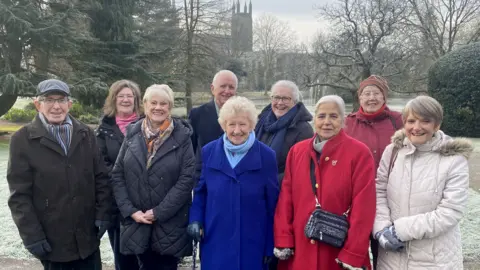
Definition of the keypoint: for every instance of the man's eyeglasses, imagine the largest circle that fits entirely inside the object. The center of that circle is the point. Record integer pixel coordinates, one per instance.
(284, 99)
(51, 101)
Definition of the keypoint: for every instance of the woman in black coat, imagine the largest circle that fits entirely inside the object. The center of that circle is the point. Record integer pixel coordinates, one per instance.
(284, 122)
(153, 183)
(121, 108)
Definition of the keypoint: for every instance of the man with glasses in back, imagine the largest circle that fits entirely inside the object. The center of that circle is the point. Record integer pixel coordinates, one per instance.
(59, 194)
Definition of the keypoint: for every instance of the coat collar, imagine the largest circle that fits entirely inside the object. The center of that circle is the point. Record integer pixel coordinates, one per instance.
(303, 115)
(445, 145)
(250, 162)
(38, 131)
(331, 144)
(362, 118)
(181, 133)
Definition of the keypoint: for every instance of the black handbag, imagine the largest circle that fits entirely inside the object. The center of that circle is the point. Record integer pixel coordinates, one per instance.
(324, 226)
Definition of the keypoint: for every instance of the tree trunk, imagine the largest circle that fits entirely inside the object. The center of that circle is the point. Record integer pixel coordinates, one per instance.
(188, 73)
(6, 103)
(355, 101)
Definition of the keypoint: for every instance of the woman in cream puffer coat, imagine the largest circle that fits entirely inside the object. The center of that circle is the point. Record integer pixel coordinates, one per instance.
(424, 197)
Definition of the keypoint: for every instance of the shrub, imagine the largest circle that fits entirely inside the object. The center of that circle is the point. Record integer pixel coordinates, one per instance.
(78, 110)
(454, 81)
(88, 119)
(20, 116)
(30, 107)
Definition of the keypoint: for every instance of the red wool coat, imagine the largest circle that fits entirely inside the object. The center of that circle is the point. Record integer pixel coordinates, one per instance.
(375, 133)
(345, 173)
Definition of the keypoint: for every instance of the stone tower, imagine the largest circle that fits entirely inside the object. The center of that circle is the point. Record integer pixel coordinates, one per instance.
(242, 28)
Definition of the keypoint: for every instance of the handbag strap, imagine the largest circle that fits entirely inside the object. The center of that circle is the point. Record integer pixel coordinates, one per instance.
(314, 187)
(393, 157)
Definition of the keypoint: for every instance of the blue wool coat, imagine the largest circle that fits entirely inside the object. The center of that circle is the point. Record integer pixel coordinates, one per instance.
(236, 207)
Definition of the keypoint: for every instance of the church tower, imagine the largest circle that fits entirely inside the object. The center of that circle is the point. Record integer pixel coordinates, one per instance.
(242, 28)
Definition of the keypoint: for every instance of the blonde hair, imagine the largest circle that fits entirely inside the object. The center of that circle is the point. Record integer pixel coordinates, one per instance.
(425, 107)
(110, 106)
(160, 90)
(237, 105)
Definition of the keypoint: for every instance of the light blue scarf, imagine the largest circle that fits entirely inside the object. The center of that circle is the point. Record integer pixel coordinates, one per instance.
(235, 153)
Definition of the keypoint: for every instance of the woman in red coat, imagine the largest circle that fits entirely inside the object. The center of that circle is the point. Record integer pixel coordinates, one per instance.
(345, 179)
(373, 124)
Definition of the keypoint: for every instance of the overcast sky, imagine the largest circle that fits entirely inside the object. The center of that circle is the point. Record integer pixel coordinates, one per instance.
(299, 13)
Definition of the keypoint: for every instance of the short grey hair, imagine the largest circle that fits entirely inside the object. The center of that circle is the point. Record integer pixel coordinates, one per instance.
(333, 99)
(227, 72)
(290, 85)
(237, 105)
(162, 90)
(425, 107)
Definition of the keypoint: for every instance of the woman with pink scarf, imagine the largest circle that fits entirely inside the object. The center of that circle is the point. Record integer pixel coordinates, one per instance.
(122, 107)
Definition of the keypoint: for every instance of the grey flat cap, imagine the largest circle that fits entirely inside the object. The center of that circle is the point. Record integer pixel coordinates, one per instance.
(52, 85)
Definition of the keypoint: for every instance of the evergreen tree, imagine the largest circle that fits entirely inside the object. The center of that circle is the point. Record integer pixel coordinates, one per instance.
(33, 35)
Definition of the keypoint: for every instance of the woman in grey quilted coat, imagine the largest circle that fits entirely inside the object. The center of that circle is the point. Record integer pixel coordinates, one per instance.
(422, 191)
(153, 182)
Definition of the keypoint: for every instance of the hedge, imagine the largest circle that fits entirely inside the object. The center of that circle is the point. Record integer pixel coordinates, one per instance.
(454, 80)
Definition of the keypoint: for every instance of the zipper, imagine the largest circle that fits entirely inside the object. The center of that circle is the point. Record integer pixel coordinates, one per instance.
(46, 203)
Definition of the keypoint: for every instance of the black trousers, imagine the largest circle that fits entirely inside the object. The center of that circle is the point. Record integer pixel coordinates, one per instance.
(374, 248)
(92, 262)
(122, 262)
(273, 264)
(150, 260)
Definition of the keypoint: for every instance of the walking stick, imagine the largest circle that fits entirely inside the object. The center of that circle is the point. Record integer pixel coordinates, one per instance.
(194, 254)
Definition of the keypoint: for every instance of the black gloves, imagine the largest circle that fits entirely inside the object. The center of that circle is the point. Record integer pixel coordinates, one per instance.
(102, 227)
(195, 231)
(267, 260)
(40, 248)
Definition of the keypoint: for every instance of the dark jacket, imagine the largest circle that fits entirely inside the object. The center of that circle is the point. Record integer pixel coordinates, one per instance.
(204, 121)
(299, 130)
(166, 187)
(376, 133)
(58, 197)
(110, 139)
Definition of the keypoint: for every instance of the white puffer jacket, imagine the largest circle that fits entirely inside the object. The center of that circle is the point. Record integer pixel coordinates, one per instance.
(424, 197)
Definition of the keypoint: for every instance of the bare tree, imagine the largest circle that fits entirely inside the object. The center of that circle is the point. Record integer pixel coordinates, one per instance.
(271, 36)
(203, 41)
(441, 23)
(362, 43)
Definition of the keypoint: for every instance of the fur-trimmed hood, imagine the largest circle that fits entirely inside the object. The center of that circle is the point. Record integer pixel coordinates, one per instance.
(446, 146)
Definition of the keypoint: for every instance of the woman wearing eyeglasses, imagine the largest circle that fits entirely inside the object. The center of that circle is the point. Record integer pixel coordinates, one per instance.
(373, 124)
(284, 122)
(122, 107)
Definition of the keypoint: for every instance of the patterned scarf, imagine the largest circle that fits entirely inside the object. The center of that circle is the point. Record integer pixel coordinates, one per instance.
(155, 138)
(61, 133)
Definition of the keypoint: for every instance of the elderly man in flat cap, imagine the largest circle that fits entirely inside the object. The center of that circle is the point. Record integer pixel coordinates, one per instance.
(59, 194)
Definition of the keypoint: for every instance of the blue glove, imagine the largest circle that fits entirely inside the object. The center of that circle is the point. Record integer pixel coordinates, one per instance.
(102, 227)
(195, 230)
(387, 238)
(40, 248)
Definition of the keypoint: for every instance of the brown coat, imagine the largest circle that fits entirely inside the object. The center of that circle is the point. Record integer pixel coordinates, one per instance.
(58, 197)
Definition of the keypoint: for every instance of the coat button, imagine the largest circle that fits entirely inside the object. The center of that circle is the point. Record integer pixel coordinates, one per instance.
(327, 159)
(312, 242)
(316, 185)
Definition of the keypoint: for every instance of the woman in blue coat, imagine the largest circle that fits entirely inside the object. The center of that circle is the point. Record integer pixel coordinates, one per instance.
(234, 201)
